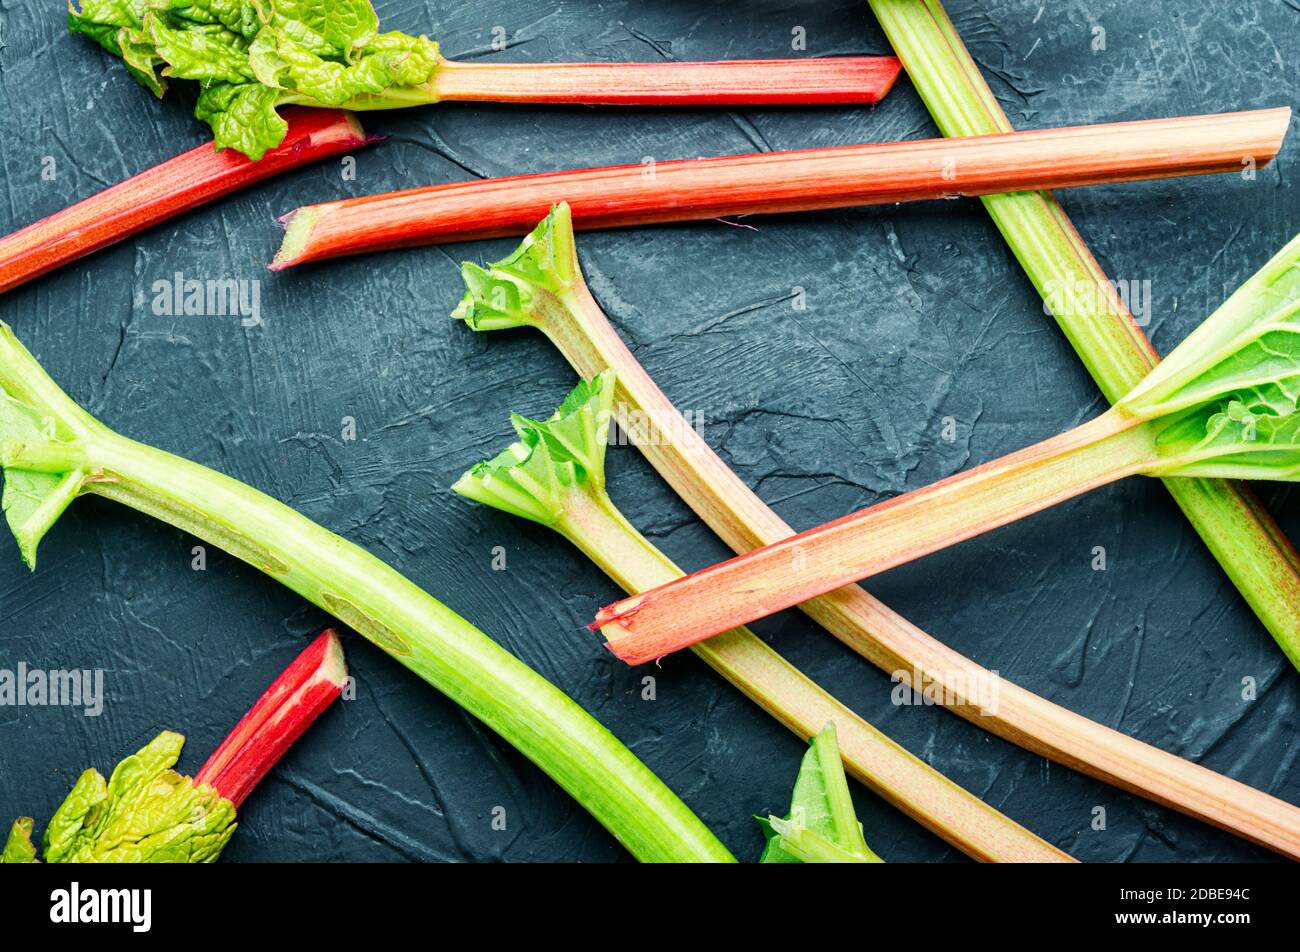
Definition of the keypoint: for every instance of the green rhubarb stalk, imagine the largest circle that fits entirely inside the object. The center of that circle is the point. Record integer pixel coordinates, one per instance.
(555, 475)
(1225, 404)
(1240, 534)
(821, 826)
(540, 285)
(51, 451)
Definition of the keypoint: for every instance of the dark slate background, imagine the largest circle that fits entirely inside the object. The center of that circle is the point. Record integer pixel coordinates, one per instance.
(914, 313)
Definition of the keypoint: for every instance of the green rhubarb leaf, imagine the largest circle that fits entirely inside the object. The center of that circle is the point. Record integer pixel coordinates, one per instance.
(19, 847)
(144, 813)
(118, 26)
(242, 118)
(507, 293)
(32, 500)
(821, 826)
(337, 27)
(253, 56)
(208, 52)
(392, 60)
(1226, 401)
(534, 475)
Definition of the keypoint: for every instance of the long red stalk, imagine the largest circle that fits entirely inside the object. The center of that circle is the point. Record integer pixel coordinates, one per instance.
(169, 189)
(832, 80)
(296, 698)
(873, 540)
(772, 182)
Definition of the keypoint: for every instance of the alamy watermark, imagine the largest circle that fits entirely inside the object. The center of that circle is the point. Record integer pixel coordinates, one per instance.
(644, 428)
(213, 297)
(1087, 296)
(979, 689)
(55, 687)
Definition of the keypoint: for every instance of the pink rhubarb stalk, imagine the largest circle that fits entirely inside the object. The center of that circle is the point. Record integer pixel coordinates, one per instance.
(778, 182)
(873, 540)
(833, 80)
(296, 698)
(169, 189)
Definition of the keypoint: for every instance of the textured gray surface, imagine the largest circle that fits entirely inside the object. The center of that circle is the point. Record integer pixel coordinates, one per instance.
(914, 314)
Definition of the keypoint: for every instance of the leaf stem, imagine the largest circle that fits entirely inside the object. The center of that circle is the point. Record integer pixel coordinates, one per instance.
(821, 81)
(300, 694)
(1235, 527)
(648, 626)
(772, 182)
(361, 591)
(167, 190)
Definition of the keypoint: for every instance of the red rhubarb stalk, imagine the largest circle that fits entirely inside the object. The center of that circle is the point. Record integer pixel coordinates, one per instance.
(834, 80)
(865, 543)
(296, 698)
(187, 181)
(1221, 405)
(777, 182)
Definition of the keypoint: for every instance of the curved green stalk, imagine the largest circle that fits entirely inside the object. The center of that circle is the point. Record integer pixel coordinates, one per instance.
(1240, 534)
(354, 586)
(555, 475)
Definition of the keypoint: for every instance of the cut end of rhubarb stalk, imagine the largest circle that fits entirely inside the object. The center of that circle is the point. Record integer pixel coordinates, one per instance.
(617, 624)
(287, 708)
(298, 225)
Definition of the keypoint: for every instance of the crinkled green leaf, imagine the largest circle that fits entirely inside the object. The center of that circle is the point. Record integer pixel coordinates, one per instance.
(118, 26)
(238, 16)
(242, 118)
(821, 826)
(1226, 401)
(326, 27)
(207, 52)
(19, 847)
(144, 813)
(533, 476)
(505, 293)
(315, 52)
(391, 60)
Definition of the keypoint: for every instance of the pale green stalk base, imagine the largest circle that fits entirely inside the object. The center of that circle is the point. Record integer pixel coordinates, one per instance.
(1240, 534)
(351, 584)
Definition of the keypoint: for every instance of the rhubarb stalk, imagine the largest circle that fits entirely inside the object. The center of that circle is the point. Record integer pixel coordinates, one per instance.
(778, 182)
(540, 285)
(1223, 404)
(169, 189)
(1234, 525)
(52, 451)
(778, 82)
(148, 813)
(253, 59)
(287, 708)
(555, 475)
